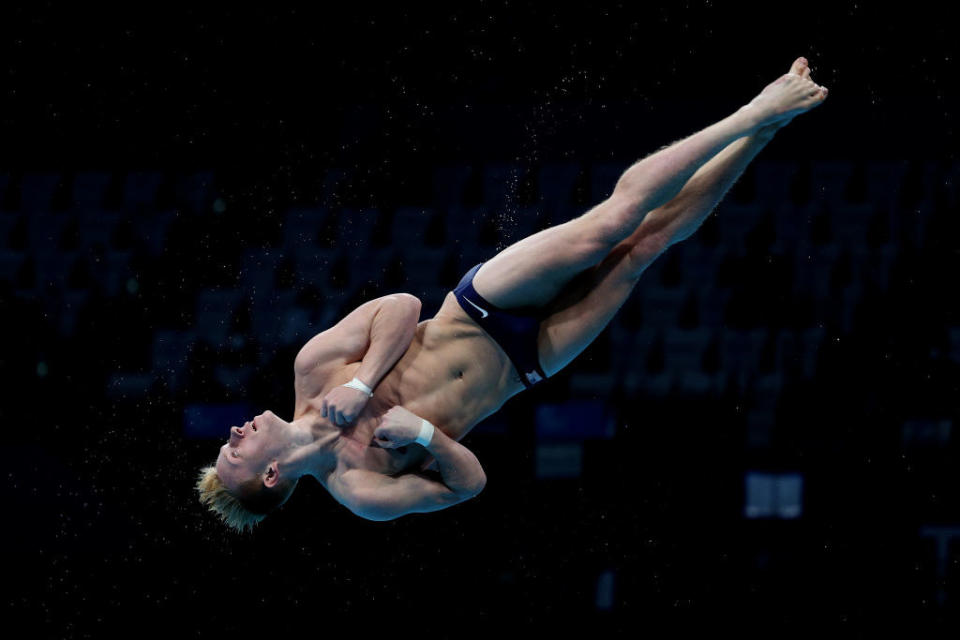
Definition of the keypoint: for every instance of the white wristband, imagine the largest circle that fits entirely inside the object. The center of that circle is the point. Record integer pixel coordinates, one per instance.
(357, 384)
(426, 433)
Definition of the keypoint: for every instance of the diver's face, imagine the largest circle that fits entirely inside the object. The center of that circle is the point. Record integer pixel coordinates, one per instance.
(249, 449)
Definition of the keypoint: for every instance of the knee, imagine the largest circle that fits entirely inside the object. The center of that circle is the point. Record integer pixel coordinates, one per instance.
(642, 253)
(613, 220)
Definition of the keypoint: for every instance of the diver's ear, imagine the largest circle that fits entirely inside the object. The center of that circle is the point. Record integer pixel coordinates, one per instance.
(272, 475)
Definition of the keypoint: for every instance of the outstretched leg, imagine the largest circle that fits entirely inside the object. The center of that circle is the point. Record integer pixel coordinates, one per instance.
(584, 308)
(533, 271)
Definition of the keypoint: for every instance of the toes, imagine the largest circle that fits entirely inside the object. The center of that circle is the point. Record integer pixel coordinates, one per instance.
(815, 99)
(798, 66)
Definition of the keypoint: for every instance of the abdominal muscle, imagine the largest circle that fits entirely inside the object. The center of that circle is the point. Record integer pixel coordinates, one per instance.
(453, 374)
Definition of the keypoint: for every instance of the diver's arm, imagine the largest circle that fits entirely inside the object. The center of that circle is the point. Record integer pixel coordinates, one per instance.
(377, 332)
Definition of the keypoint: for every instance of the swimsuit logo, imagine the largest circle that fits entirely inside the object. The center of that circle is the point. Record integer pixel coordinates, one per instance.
(533, 377)
(484, 313)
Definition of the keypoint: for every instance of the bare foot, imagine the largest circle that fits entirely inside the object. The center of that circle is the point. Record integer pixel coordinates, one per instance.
(786, 97)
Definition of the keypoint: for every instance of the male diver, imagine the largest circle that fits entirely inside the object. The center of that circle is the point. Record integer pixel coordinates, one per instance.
(382, 400)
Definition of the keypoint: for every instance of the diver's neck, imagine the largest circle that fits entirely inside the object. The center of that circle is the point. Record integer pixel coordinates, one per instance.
(314, 446)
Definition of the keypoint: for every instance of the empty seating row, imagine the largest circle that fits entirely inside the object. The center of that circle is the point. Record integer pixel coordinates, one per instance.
(131, 192)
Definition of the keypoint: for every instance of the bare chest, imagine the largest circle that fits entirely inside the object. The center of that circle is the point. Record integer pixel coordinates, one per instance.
(452, 374)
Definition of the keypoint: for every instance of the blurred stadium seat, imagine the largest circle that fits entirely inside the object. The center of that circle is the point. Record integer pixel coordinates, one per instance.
(89, 189)
(448, 185)
(140, 191)
(556, 182)
(831, 180)
(661, 306)
(36, 191)
(409, 228)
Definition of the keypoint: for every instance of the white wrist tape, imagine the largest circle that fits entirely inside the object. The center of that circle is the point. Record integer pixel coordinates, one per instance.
(359, 386)
(426, 433)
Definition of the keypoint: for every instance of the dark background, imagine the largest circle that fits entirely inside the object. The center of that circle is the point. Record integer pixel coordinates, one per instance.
(152, 154)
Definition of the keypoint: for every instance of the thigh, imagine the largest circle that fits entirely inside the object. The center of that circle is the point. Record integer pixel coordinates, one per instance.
(532, 271)
(584, 309)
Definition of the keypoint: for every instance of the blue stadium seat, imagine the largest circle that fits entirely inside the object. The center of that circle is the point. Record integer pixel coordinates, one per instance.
(789, 351)
(36, 191)
(501, 182)
(884, 180)
(774, 180)
(698, 383)
(851, 222)
(449, 184)
(69, 307)
(234, 379)
(423, 266)
(356, 229)
(268, 320)
(295, 326)
(684, 348)
(335, 180)
(129, 384)
(213, 313)
(767, 389)
(556, 182)
(195, 190)
(812, 338)
(313, 265)
(54, 268)
(302, 225)
(116, 272)
(371, 266)
(829, 179)
(699, 263)
(658, 384)
(97, 228)
(740, 352)
(464, 224)
(838, 309)
(812, 269)
(908, 225)
(660, 305)
(140, 190)
(7, 224)
(713, 306)
(574, 420)
(520, 222)
(791, 228)
(45, 230)
(257, 270)
(736, 221)
(89, 189)
(409, 226)
(954, 333)
(153, 230)
(5, 183)
(171, 353)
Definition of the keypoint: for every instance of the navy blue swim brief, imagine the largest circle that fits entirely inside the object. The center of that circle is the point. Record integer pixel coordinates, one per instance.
(515, 330)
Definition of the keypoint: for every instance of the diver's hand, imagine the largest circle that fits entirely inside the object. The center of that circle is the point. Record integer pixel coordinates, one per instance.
(398, 427)
(343, 404)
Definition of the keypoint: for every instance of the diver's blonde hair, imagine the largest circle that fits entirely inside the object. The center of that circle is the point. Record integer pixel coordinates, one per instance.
(241, 513)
